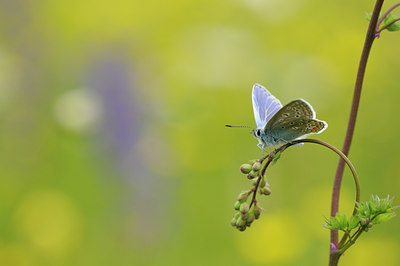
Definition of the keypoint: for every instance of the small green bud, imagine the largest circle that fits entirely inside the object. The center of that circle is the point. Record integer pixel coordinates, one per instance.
(257, 212)
(245, 215)
(364, 222)
(265, 191)
(263, 183)
(245, 168)
(243, 196)
(256, 166)
(237, 205)
(252, 174)
(233, 221)
(237, 215)
(250, 218)
(240, 222)
(252, 161)
(254, 182)
(244, 208)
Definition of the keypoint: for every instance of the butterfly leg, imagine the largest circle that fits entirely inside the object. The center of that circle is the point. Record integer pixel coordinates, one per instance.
(261, 146)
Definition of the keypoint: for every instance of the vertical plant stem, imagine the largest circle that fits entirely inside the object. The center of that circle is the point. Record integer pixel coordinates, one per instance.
(333, 259)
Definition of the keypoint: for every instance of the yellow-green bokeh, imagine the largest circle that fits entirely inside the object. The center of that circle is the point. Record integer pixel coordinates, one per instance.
(113, 145)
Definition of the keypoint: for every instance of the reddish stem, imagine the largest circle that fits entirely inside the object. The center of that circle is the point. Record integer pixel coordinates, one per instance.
(352, 122)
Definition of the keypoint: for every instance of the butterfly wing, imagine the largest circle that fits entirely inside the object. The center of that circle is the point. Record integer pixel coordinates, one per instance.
(294, 120)
(265, 105)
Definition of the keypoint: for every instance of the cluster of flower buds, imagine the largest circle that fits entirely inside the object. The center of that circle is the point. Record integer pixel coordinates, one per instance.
(367, 224)
(245, 215)
(252, 169)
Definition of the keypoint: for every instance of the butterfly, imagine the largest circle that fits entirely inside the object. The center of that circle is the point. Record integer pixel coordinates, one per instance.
(277, 124)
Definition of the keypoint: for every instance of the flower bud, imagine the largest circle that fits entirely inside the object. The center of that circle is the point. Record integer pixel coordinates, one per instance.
(244, 208)
(256, 166)
(257, 212)
(233, 222)
(267, 190)
(364, 222)
(237, 205)
(250, 218)
(243, 196)
(254, 182)
(370, 224)
(245, 215)
(262, 183)
(252, 174)
(240, 222)
(242, 228)
(245, 168)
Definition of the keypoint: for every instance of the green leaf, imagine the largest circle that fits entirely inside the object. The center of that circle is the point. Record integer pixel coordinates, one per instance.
(339, 222)
(276, 157)
(376, 207)
(389, 19)
(394, 27)
(368, 16)
(383, 218)
(386, 21)
(353, 222)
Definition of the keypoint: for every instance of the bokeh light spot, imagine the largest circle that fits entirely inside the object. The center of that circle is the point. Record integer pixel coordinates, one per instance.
(77, 110)
(272, 239)
(49, 221)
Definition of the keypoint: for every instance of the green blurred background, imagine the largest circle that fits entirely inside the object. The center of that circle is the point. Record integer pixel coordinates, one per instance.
(113, 148)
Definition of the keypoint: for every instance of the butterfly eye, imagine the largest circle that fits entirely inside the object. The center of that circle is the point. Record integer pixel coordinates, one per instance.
(258, 133)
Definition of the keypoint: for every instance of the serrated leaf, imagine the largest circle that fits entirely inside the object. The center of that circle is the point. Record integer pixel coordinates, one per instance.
(394, 27)
(389, 19)
(353, 222)
(386, 21)
(331, 223)
(384, 217)
(368, 16)
(341, 221)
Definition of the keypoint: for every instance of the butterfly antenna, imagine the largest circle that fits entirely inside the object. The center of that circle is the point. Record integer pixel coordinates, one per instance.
(240, 126)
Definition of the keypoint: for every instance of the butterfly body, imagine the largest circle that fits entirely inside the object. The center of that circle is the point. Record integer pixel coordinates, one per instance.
(277, 124)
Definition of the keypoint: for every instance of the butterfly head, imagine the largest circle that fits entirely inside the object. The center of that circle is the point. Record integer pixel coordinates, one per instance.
(257, 133)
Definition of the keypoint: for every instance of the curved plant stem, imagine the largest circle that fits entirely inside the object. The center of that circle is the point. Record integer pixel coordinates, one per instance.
(369, 39)
(315, 141)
